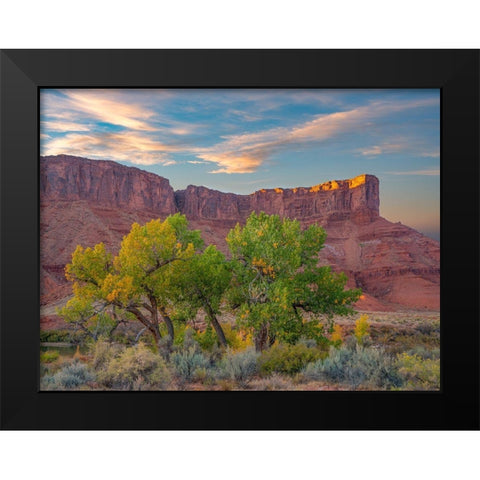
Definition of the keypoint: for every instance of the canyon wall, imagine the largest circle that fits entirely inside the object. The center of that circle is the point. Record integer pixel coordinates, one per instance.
(87, 201)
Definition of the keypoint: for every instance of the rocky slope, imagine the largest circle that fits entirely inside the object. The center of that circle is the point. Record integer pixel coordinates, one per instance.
(86, 201)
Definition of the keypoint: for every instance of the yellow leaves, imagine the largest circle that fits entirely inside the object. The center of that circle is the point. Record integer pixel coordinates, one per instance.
(337, 334)
(116, 288)
(362, 328)
(259, 262)
(275, 245)
(260, 233)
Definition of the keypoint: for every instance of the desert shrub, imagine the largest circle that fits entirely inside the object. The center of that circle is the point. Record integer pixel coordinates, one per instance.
(273, 382)
(357, 366)
(425, 353)
(362, 328)
(132, 367)
(237, 339)
(187, 361)
(103, 352)
(419, 373)
(337, 335)
(49, 356)
(239, 366)
(71, 375)
(288, 359)
(308, 342)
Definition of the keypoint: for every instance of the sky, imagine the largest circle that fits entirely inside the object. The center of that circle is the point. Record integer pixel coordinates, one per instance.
(242, 140)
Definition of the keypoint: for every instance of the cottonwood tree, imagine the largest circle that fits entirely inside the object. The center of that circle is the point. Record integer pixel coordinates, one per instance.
(200, 283)
(138, 280)
(277, 279)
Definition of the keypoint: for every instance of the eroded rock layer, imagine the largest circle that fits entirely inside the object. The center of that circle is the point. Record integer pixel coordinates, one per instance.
(87, 201)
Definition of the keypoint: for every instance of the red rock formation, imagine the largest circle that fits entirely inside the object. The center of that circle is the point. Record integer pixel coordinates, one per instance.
(104, 183)
(86, 202)
(356, 199)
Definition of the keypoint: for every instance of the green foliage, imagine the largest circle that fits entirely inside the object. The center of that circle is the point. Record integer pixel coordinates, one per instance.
(49, 356)
(276, 277)
(188, 361)
(132, 367)
(54, 336)
(288, 359)
(240, 366)
(206, 339)
(139, 275)
(72, 376)
(419, 373)
(355, 367)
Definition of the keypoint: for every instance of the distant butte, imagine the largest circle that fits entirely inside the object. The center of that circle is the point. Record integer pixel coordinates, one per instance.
(89, 201)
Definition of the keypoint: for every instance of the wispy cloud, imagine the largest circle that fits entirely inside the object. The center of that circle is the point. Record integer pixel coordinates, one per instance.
(435, 154)
(430, 172)
(383, 149)
(245, 153)
(132, 147)
(63, 126)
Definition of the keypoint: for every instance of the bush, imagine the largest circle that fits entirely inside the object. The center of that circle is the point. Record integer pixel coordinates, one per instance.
(357, 366)
(240, 366)
(237, 339)
(362, 328)
(103, 352)
(72, 375)
(288, 359)
(49, 356)
(133, 368)
(419, 373)
(274, 382)
(188, 361)
(425, 353)
(206, 339)
(54, 336)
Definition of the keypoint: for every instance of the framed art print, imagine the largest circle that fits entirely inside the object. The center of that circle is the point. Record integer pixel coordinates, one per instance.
(240, 239)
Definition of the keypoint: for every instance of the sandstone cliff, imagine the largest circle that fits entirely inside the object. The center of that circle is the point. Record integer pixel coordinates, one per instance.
(85, 202)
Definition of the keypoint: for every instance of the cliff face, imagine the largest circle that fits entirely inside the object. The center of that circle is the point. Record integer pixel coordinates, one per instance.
(356, 199)
(67, 178)
(85, 202)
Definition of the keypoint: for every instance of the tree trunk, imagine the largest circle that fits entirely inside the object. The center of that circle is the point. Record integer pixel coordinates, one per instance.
(157, 336)
(169, 324)
(216, 325)
(261, 337)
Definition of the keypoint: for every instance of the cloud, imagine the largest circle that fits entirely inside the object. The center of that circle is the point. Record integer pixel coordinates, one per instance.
(62, 126)
(430, 154)
(431, 172)
(196, 162)
(132, 147)
(245, 153)
(111, 109)
(382, 149)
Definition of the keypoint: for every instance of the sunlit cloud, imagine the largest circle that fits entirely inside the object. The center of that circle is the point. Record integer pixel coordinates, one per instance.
(431, 172)
(245, 153)
(62, 126)
(128, 146)
(110, 109)
(196, 162)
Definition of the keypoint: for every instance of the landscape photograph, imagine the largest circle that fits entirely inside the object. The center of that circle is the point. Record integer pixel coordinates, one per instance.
(239, 239)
